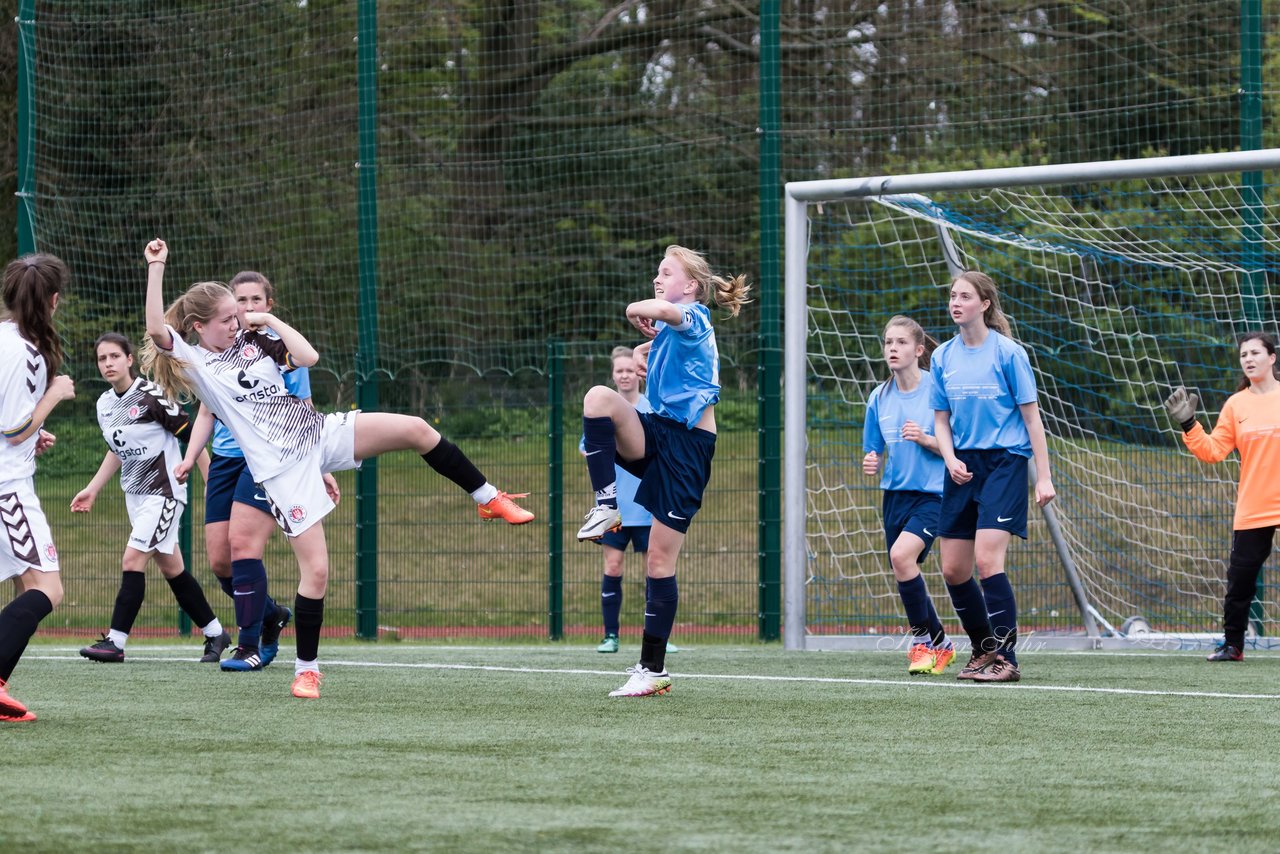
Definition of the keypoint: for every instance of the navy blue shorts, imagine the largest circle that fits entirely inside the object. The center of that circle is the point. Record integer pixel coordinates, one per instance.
(230, 480)
(915, 512)
(674, 470)
(636, 535)
(995, 498)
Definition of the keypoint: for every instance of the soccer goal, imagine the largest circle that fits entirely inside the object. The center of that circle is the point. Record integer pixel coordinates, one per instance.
(1122, 279)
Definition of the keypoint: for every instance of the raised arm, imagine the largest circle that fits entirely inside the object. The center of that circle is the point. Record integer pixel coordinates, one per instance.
(156, 254)
(300, 349)
(642, 314)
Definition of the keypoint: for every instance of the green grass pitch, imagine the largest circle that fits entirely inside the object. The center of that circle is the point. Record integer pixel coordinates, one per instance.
(488, 748)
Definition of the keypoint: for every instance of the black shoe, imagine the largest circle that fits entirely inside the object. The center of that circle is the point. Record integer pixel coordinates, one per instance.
(1226, 652)
(103, 650)
(214, 647)
(270, 643)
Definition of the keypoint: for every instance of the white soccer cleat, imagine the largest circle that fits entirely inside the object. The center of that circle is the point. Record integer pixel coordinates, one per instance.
(644, 683)
(599, 521)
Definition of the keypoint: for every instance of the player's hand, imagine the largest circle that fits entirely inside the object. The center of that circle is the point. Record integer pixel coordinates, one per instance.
(959, 472)
(45, 441)
(182, 471)
(1181, 405)
(911, 432)
(641, 357)
(156, 250)
(645, 325)
(871, 464)
(256, 320)
(331, 487)
(62, 387)
(83, 502)
(1044, 491)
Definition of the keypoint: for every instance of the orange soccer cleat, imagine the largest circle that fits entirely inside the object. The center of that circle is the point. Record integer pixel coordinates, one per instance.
(502, 507)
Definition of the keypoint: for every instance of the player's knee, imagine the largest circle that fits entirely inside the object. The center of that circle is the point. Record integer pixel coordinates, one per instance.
(424, 436)
(596, 402)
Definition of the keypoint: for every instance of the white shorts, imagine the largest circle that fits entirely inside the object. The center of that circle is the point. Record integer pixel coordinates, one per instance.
(155, 522)
(25, 541)
(297, 497)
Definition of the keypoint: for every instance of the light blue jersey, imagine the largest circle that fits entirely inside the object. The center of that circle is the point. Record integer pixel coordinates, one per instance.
(982, 387)
(298, 384)
(684, 367)
(909, 466)
(633, 515)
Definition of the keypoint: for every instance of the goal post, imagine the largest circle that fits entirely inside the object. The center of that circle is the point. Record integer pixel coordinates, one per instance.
(1121, 279)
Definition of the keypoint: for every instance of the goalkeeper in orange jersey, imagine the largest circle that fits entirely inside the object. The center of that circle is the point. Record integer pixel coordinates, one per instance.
(1249, 423)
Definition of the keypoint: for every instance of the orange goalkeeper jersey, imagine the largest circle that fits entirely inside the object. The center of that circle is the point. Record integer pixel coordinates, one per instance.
(1249, 423)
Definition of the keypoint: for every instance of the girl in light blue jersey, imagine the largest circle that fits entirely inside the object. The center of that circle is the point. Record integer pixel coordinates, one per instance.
(670, 448)
(988, 424)
(900, 419)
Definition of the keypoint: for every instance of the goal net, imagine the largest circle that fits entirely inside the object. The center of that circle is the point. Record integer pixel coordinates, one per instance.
(1122, 280)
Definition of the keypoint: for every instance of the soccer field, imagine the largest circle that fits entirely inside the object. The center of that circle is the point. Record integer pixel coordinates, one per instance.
(482, 748)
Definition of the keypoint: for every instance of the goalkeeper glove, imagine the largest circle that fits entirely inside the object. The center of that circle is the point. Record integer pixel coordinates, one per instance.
(1182, 407)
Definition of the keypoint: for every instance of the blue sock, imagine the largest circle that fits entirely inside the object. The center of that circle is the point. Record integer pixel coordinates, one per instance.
(971, 608)
(1002, 610)
(611, 602)
(921, 616)
(227, 586)
(249, 578)
(600, 444)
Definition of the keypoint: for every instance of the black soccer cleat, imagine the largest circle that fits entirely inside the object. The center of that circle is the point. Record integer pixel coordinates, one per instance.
(103, 650)
(214, 647)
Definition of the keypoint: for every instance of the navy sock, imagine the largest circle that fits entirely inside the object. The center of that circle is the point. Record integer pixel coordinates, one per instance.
(133, 589)
(971, 608)
(308, 617)
(659, 617)
(190, 598)
(611, 602)
(600, 444)
(227, 587)
(447, 459)
(250, 580)
(18, 622)
(921, 616)
(1002, 610)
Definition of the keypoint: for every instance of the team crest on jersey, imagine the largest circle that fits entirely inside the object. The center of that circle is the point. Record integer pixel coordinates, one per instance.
(249, 351)
(297, 513)
(51, 552)
(135, 411)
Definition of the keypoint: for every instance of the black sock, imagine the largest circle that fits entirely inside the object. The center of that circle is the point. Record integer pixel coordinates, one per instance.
(133, 589)
(18, 622)
(191, 598)
(447, 459)
(653, 652)
(308, 617)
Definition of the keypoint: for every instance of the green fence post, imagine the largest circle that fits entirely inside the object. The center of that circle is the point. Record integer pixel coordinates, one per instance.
(367, 355)
(26, 165)
(555, 490)
(1252, 211)
(769, 360)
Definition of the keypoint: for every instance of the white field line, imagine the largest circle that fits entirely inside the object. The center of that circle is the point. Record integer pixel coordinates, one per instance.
(738, 677)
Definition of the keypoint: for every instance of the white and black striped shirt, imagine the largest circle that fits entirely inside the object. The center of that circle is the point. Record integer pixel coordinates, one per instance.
(22, 384)
(244, 387)
(142, 427)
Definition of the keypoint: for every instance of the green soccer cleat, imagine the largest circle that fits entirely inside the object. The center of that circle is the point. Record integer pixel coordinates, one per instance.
(609, 644)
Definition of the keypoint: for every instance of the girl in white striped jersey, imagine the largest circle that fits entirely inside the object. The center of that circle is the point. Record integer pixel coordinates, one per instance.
(141, 425)
(30, 387)
(238, 374)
